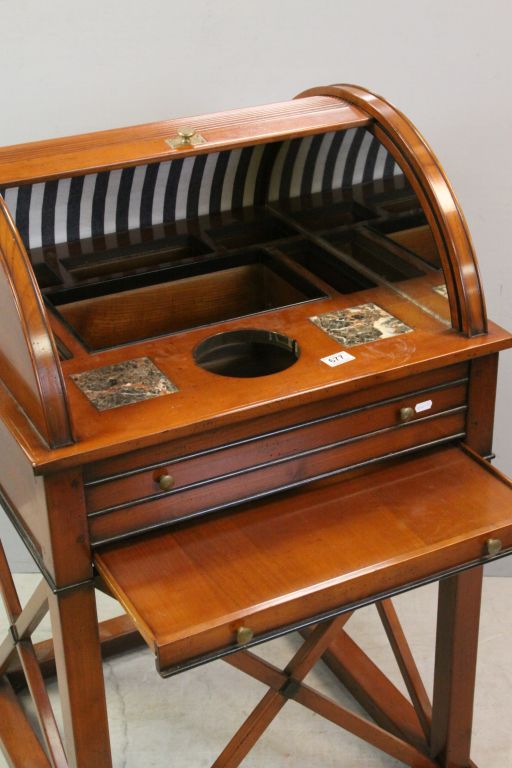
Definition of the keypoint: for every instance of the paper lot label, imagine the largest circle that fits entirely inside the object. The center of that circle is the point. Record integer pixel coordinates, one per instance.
(337, 359)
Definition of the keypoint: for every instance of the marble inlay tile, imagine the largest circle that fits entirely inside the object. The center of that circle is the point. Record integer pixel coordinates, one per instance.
(441, 290)
(123, 383)
(359, 325)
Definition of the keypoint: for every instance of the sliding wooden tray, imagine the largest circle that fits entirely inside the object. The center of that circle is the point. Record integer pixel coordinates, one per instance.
(278, 565)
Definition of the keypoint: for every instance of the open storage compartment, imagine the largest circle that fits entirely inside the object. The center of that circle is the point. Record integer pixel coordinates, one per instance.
(313, 553)
(114, 312)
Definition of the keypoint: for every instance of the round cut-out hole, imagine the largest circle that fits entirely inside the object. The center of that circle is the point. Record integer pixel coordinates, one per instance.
(247, 353)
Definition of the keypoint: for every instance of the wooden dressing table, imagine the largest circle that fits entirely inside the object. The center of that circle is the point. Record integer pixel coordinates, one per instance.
(247, 386)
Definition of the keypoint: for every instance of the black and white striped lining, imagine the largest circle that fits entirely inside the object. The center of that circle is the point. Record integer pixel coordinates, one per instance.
(100, 204)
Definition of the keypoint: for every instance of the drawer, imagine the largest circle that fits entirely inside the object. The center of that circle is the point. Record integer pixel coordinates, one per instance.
(109, 493)
(274, 474)
(285, 417)
(281, 563)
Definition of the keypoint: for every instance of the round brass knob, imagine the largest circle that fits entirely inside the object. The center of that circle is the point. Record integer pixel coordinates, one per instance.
(407, 413)
(244, 635)
(187, 134)
(493, 546)
(166, 482)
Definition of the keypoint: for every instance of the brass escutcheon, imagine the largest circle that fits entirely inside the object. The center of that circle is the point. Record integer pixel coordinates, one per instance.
(186, 137)
(166, 482)
(493, 546)
(244, 635)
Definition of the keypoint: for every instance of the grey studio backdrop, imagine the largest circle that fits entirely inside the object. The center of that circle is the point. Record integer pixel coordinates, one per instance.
(70, 67)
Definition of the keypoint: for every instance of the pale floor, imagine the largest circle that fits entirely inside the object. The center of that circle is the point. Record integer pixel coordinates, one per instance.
(184, 722)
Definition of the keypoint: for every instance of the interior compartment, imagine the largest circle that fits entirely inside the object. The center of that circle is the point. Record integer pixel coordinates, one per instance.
(247, 353)
(403, 205)
(420, 241)
(45, 276)
(169, 278)
(326, 266)
(128, 259)
(184, 297)
(414, 233)
(329, 216)
(241, 234)
(375, 256)
(391, 201)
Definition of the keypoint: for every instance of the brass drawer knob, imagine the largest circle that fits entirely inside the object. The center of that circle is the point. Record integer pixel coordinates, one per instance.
(166, 482)
(493, 546)
(244, 635)
(406, 413)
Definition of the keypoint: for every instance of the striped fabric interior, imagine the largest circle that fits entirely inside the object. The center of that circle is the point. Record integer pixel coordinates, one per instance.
(71, 209)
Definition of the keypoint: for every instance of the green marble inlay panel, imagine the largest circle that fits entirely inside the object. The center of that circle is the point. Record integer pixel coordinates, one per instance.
(131, 381)
(360, 325)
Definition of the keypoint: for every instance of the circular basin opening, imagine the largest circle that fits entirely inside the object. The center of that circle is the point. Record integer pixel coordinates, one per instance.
(246, 354)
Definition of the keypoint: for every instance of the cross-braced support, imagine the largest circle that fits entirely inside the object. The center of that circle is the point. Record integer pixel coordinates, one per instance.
(22, 747)
(401, 728)
(411, 731)
(287, 684)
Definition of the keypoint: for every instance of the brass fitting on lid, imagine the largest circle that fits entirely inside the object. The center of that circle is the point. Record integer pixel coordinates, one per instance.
(186, 137)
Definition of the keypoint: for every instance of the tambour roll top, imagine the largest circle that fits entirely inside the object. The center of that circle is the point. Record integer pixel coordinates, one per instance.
(325, 210)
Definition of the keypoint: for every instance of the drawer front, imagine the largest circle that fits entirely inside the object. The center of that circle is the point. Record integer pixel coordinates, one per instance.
(144, 484)
(268, 423)
(275, 474)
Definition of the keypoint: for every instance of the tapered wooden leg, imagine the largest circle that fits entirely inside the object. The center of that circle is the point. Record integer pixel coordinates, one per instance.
(455, 669)
(80, 678)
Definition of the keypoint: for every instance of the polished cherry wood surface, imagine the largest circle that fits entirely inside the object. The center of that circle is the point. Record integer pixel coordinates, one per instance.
(391, 508)
(18, 738)
(111, 469)
(87, 153)
(327, 460)
(302, 554)
(187, 413)
(28, 355)
(344, 426)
